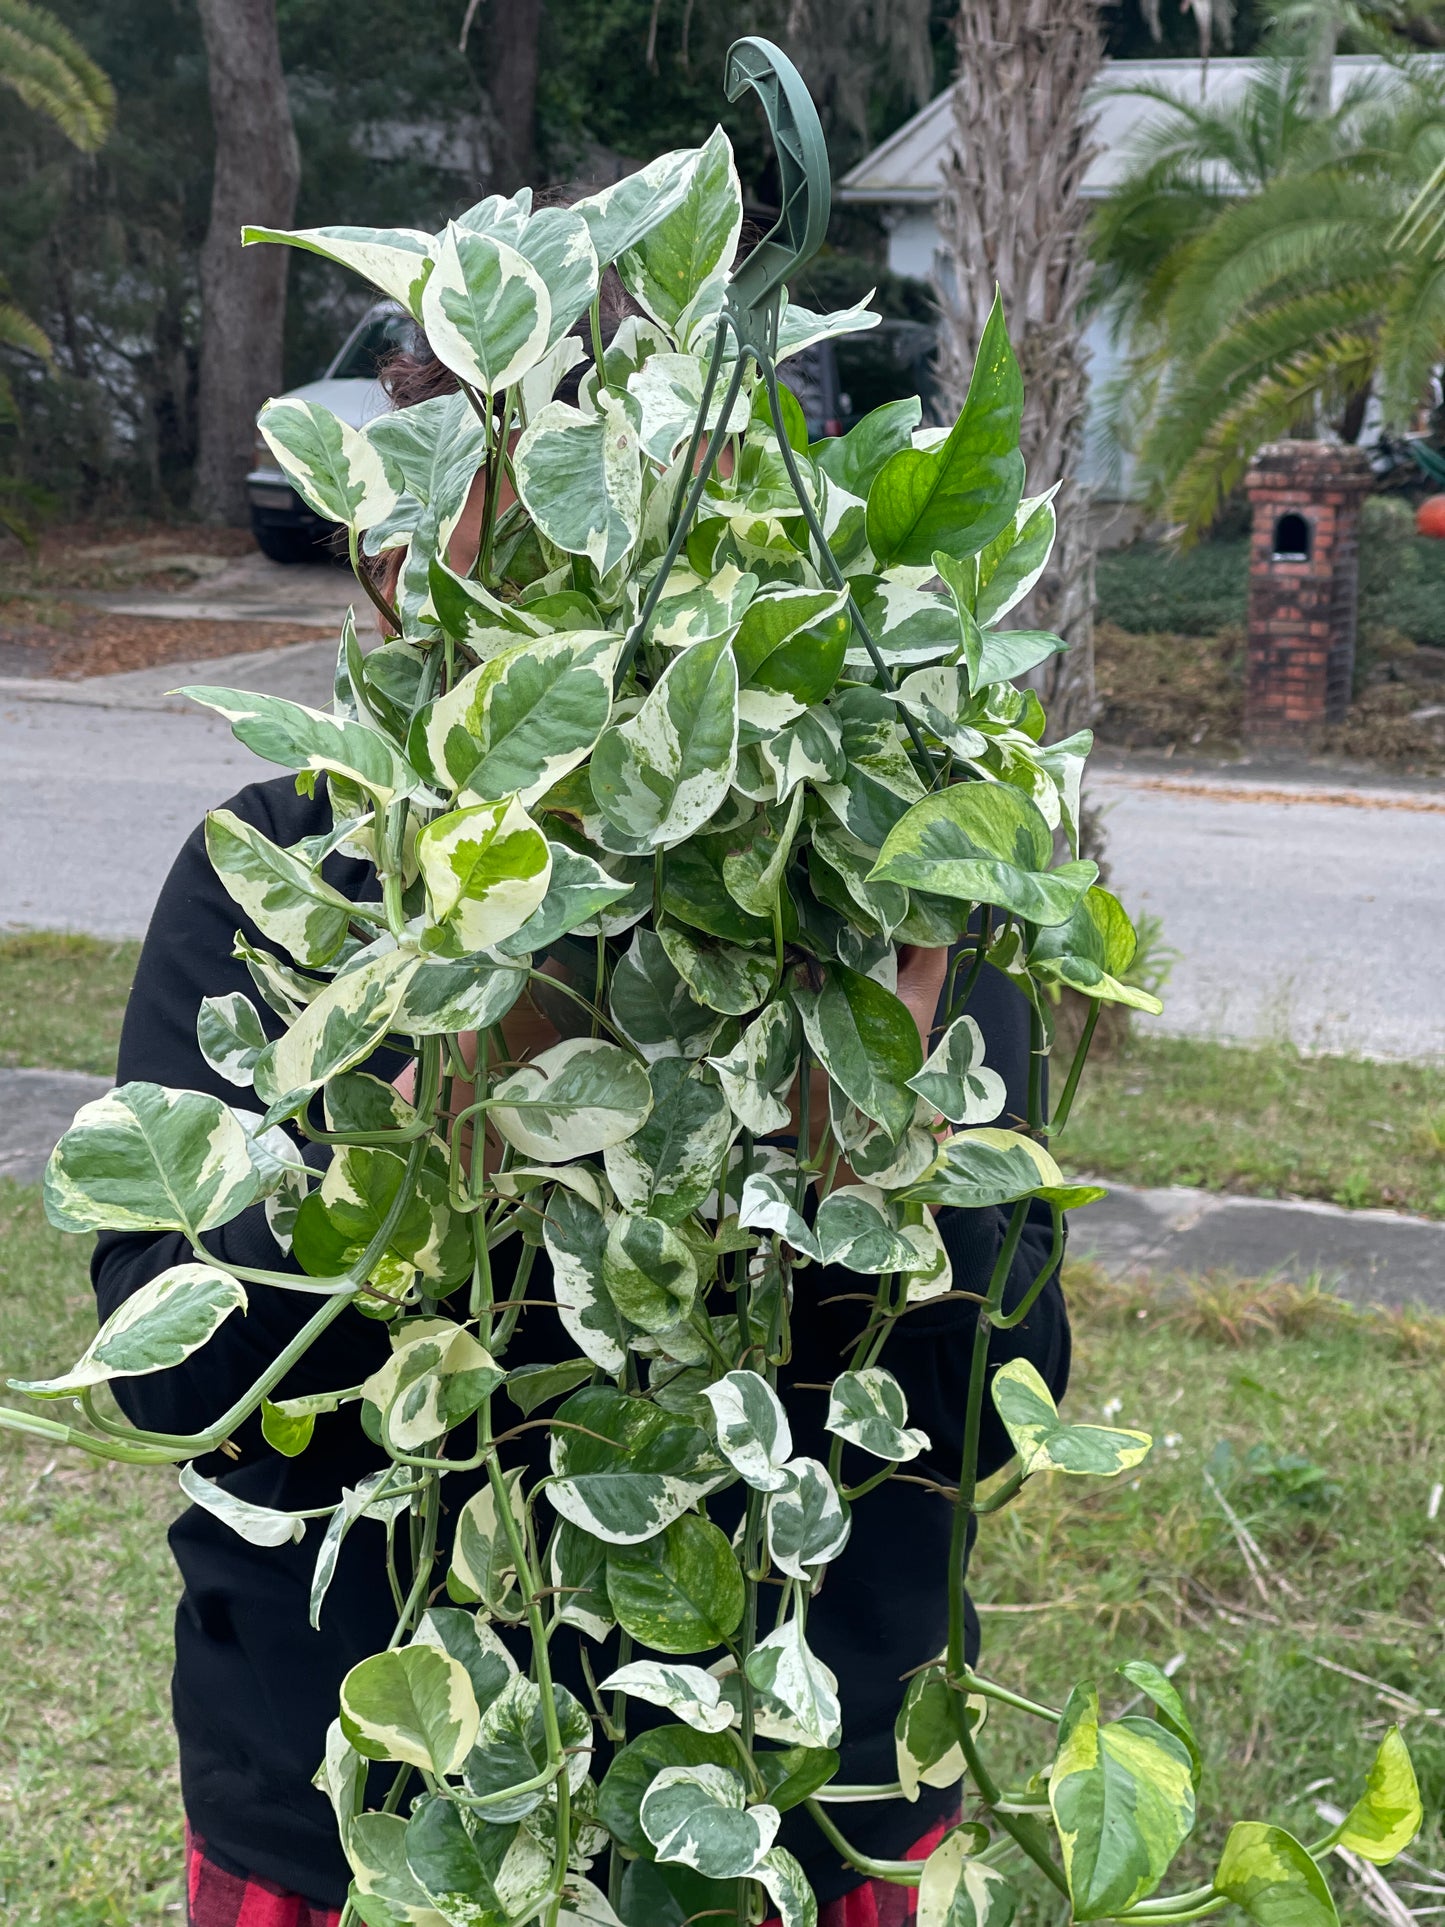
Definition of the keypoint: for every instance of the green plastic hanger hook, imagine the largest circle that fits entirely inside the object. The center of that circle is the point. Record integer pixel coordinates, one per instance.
(802, 166)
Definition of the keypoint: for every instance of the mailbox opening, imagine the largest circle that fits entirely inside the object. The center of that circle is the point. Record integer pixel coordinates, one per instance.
(1292, 538)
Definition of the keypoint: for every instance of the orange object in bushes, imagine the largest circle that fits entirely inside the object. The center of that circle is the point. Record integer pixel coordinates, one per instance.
(1430, 516)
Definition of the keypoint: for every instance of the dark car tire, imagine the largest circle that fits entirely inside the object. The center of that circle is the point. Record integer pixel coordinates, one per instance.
(283, 544)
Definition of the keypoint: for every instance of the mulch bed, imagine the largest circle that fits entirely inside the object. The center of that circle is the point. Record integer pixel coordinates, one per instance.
(68, 640)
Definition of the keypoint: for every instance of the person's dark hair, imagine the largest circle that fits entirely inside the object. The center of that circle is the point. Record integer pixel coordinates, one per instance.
(414, 374)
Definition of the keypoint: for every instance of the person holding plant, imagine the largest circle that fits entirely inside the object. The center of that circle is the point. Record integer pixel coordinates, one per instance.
(256, 1678)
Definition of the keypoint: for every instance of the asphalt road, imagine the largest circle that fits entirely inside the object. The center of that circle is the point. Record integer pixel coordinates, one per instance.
(1298, 910)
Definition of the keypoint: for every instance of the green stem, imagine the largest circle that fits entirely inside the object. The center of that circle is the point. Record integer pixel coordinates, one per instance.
(955, 1006)
(1076, 1069)
(1026, 1833)
(1006, 1320)
(353, 542)
(900, 1873)
(1037, 1055)
(970, 1682)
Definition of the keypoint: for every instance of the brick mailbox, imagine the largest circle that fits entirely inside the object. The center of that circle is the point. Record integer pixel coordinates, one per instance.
(1303, 587)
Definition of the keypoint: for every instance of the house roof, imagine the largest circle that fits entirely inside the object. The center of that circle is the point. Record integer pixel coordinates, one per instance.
(907, 169)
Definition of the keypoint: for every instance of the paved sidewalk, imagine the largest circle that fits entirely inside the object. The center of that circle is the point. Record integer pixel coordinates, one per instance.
(249, 588)
(36, 1107)
(1371, 1257)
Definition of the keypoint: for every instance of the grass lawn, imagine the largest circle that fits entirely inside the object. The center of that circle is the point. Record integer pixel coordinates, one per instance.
(61, 999)
(1324, 1427)
(1267, 1121)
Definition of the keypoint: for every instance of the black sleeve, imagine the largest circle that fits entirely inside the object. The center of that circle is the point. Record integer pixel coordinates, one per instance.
(186, 957)
(929, 1351)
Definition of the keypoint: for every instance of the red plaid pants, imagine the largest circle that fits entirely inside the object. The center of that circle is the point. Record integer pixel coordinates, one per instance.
(215, 1898)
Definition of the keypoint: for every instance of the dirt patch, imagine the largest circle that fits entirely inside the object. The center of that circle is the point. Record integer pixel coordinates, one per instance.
(126, 555)
(44, 636)
(1169, 691)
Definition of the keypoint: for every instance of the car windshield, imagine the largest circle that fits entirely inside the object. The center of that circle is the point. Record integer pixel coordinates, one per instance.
(371, 345)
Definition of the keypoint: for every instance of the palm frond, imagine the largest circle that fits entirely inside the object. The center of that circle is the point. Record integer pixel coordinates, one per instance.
(52, 73)
(17, 330)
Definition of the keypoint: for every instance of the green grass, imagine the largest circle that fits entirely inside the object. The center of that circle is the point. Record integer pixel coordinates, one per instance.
(90, 1814)
(1325, 1430)
(62, 998)
(1265, 1121)
(1343, 1411)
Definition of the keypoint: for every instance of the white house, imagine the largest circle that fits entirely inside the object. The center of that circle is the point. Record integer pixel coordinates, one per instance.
(904, 176)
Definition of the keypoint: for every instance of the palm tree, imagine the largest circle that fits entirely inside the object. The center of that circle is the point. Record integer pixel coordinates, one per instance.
(53, 75)
(1284, 306)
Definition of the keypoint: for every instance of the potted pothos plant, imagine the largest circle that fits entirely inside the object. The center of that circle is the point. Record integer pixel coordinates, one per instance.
(720, 718)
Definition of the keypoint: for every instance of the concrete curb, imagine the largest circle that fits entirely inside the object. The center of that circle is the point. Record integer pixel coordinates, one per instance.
(299, 670)
(1370, 1257)
(35, 1108)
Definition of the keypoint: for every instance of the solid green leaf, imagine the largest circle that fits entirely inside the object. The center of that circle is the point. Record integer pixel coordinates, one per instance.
(679, 1592)
(853, 460)
(866, 1041)
(652, 1005)
(958, 496)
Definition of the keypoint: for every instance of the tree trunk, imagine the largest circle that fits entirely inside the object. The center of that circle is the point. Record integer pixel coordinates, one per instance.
(1013, 215)
(511, 80)
(243, 295)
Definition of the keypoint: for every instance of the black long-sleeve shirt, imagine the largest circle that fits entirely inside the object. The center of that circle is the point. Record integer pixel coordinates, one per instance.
(255, 1688)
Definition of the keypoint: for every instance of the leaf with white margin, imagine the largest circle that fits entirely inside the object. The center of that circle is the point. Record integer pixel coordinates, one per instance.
(584, 1905)
(757, 1073)
(753, 1433)
(663, 773)
(934, 696)
(865, 1039)
(357, 1502)
(284, 990)
(575, 1233)
(580, 478)
(808, 750)
(984, 843)
(331, 465)
(308, 739)
(678, 268)
(286, 900)
(572, 1100)
(1045, 1443)
(415, 1705)
(653, 1007)
(956, 1081)
(989, 1166)
(807, 1522)
(396, 260)
(231, 1037)
(695, 608)
(856, 1227)
(431, 1383)
(1063, 763)
(579, 1572)
(517, 724)
(1010, 567)
(336, 1030)
(936, 1275)
(170, 1317)
(142, 1158)
(486, 310)
(503, 216)
(883, 904)
(758, 857)
(868, 1409)
(577, 890)
(645, 1469)
(431, 451)
(668, 392)
(1091, 952)
(959, 1890)
(376, 1852)
(687, 1692)
(619, 216)
(649, 1273)
(341, 1776)
(909, 624)
(449, 994)
(800, 328)
(1273, 1878)
(788, 1888)
(723, 976)
(1388, 1814)
(486, 870)
(670, 1164)
(798, 1690)
(697, 1815)
(925, 1734)
(766, 1206)
(540, 384)
(1122, 1795)
(473, 1873)
(258, 1525)
(482, 1560)
(559, 246)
